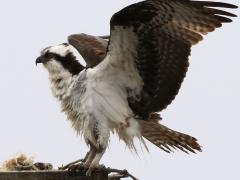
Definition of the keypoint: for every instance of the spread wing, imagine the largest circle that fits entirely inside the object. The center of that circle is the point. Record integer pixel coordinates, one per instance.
(157, 35)
(91, 48)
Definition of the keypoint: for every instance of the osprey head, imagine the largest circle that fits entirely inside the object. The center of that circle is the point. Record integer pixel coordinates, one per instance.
(60, 58)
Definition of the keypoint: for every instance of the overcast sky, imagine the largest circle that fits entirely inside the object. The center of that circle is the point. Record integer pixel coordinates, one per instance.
(207, 107)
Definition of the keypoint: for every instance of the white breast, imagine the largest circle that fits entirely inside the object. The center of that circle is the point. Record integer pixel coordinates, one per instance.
(106, 97)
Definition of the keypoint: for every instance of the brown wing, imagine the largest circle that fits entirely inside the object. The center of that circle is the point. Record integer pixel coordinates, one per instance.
(158, 34)
(91, 48)
(165, 31)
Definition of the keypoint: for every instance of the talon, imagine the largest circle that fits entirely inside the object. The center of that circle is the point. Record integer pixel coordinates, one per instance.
(96, 168)
(77, 168)
(66, 167)
(89, 171)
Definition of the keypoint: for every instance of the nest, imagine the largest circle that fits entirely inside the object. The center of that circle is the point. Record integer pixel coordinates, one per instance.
(22, 162)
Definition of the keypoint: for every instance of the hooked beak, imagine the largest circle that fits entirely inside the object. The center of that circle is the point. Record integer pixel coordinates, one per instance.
(38, 60)
(107, 37)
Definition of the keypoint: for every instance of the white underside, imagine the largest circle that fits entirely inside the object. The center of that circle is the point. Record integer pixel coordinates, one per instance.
(106, 94)
(96, 99)
(106, 100)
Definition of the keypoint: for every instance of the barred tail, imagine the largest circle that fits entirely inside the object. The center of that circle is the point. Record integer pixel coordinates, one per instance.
(167, 139)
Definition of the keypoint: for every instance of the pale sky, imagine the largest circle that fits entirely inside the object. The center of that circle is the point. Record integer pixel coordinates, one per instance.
(207, 106)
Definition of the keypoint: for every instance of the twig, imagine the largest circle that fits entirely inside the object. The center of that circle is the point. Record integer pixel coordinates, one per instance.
(34, 167)
(70, 164)
(26, 167)
(120, 174)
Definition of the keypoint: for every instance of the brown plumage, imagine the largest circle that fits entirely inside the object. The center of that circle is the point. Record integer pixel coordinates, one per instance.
(92, 48)
(168, 139)
(166, 30)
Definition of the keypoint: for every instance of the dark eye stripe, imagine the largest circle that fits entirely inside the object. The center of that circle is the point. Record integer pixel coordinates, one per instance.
(48, 55)
(69, 61)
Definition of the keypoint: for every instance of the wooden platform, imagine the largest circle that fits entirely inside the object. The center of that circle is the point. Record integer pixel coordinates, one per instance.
(50, 175)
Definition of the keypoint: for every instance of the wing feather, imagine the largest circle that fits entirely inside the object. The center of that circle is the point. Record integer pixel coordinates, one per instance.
(92, 48)
(157, 35)
(165, 32)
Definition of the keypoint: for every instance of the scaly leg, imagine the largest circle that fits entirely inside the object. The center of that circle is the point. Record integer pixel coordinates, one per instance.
(95, 162)
(92, 153)
(98, 143)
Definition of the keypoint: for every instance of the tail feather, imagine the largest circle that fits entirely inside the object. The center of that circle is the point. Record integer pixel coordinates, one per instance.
(167, 139)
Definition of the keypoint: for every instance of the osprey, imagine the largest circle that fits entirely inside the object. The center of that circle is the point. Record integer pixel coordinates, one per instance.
(139, 74)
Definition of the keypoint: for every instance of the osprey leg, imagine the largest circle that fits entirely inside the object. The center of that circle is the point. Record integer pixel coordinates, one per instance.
(90, 156)
(95, 162)
(97, 136)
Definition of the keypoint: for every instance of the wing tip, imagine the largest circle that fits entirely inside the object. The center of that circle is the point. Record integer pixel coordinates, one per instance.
(215, 4)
